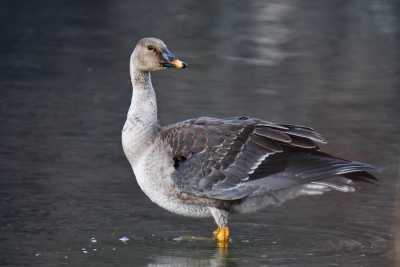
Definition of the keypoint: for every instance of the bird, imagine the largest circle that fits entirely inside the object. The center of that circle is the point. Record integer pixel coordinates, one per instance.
(215, 167)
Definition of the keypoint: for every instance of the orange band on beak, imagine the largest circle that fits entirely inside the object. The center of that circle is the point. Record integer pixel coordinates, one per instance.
(179, 64)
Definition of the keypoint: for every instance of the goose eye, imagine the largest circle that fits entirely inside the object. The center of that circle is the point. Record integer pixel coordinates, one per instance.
(150, 47)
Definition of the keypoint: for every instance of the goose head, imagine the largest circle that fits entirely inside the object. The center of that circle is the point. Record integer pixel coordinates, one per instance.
(151, 54)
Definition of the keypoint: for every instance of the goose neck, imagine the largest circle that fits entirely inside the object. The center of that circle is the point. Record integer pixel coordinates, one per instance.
(143, 108)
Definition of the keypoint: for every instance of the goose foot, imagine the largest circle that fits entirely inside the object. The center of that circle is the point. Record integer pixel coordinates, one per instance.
(221, 235)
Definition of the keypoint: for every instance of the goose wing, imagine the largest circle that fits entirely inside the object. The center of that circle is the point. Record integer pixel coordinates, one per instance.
(229, 159)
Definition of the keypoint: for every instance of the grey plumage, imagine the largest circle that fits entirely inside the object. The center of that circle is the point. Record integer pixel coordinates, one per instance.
(231, 159)
(211, 167)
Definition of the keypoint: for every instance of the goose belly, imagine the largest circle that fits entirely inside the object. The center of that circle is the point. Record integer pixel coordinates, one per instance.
(153, 174)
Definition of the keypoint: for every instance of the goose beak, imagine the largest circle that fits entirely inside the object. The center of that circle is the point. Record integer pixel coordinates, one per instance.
(168, 60)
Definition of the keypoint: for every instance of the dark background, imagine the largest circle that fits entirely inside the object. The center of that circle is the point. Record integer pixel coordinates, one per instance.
(65, 91)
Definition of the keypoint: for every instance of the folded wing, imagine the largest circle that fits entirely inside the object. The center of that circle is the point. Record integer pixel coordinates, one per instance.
(230, 159)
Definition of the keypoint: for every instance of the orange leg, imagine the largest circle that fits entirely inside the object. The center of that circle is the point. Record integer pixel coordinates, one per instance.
(221, 235)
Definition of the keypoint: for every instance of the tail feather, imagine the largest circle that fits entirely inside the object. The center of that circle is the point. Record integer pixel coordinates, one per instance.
(307, 167)
(362, 176)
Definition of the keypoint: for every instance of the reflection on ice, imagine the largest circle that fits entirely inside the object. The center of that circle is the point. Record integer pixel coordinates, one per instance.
(124, 239)
(218, 259)
(267, 34)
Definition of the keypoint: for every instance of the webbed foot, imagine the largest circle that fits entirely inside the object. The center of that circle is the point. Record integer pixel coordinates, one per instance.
(221, 235)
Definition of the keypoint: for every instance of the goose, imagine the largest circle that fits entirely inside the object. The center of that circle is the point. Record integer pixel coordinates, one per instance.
(214, 167)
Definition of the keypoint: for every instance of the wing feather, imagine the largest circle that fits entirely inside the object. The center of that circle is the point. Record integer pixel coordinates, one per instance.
(232, 158)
